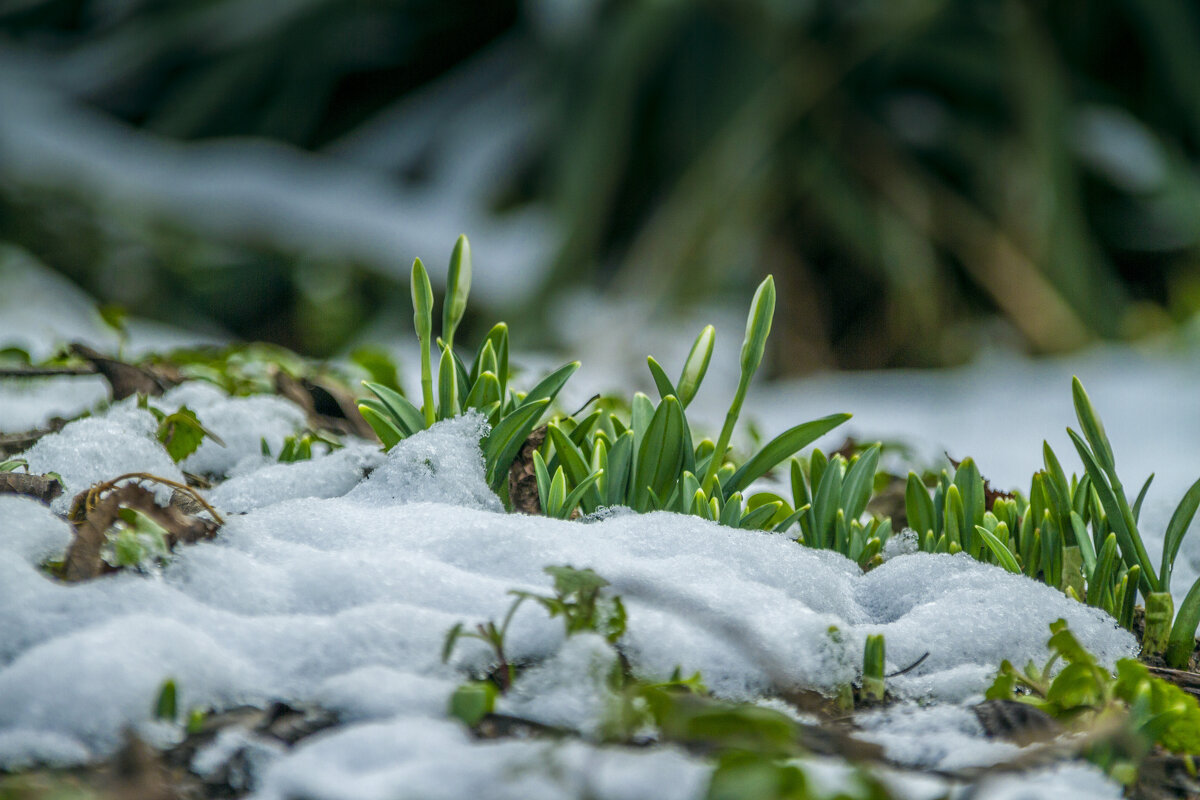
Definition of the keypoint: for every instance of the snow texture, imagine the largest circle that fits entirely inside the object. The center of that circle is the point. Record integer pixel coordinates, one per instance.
(259, 481)
(346, 600)
(30, 531)
(95, 449)
(241, 423)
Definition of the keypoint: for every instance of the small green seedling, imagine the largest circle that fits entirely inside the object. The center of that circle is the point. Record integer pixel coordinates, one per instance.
(166, 707)
(577, 599)
(1083, 694)
(873, 681)
(13, 464)
(181, 431)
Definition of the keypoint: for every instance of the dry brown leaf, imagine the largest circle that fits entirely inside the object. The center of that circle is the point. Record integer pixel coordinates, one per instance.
(522, 478)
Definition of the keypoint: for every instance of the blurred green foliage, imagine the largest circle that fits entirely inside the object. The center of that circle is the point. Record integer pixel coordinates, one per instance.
(905, 169)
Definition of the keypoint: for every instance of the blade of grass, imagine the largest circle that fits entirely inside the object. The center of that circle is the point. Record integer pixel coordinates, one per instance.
(1177, 528)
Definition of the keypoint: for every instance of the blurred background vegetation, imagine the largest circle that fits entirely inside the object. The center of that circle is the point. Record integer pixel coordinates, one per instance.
(919, 175)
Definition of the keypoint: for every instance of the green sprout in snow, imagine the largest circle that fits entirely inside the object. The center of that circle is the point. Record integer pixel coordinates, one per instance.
(651, 461)
(483, 386)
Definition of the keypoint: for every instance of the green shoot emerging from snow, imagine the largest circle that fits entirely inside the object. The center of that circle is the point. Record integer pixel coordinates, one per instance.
(482, 386)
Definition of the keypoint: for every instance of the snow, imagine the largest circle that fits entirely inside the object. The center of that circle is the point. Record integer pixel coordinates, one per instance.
(942, 737)
(259, 481)
(435, 759)
(241, 423)
(30, 404)
(1054, 783)
(30, 530)
(346, 600)
(99, 448)
(441, 465)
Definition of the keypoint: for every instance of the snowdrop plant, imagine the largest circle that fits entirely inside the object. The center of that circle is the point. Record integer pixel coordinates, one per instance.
(651, 461)
(1080, 535)
(1165, 630)
(482, 386)
(830, 496)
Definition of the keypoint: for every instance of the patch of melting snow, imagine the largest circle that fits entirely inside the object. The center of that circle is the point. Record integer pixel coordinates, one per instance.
(345, 600)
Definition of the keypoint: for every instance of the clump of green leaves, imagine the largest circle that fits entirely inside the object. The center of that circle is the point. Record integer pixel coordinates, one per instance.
(1080, 535)
(13, 464)
(1132, 706)
(1096, 452)
(830, 496)
(483, 386)
(650, 461)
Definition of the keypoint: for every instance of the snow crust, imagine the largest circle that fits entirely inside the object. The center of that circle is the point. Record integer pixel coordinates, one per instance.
(345, 600)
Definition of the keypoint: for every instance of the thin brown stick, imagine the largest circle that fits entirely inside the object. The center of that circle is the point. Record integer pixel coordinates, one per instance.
(100, 488)
(46, 372)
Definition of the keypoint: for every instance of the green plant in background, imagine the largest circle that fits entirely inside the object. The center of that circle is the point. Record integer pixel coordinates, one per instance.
(484, 386)
(652, 462)
(1133, 711)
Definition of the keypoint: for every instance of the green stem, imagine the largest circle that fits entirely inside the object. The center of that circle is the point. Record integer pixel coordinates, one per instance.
(735, 409)
(427, 383)
(1149, 578)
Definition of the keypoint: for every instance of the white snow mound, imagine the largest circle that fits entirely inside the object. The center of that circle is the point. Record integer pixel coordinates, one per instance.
(346, 600)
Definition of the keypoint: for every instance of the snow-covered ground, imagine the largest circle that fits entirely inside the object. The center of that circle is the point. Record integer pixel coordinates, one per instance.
(343, 598)
(333, 587)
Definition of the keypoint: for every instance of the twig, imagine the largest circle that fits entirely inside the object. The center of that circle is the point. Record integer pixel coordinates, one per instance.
(46, 372)
(909, 668)
(99, 488)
